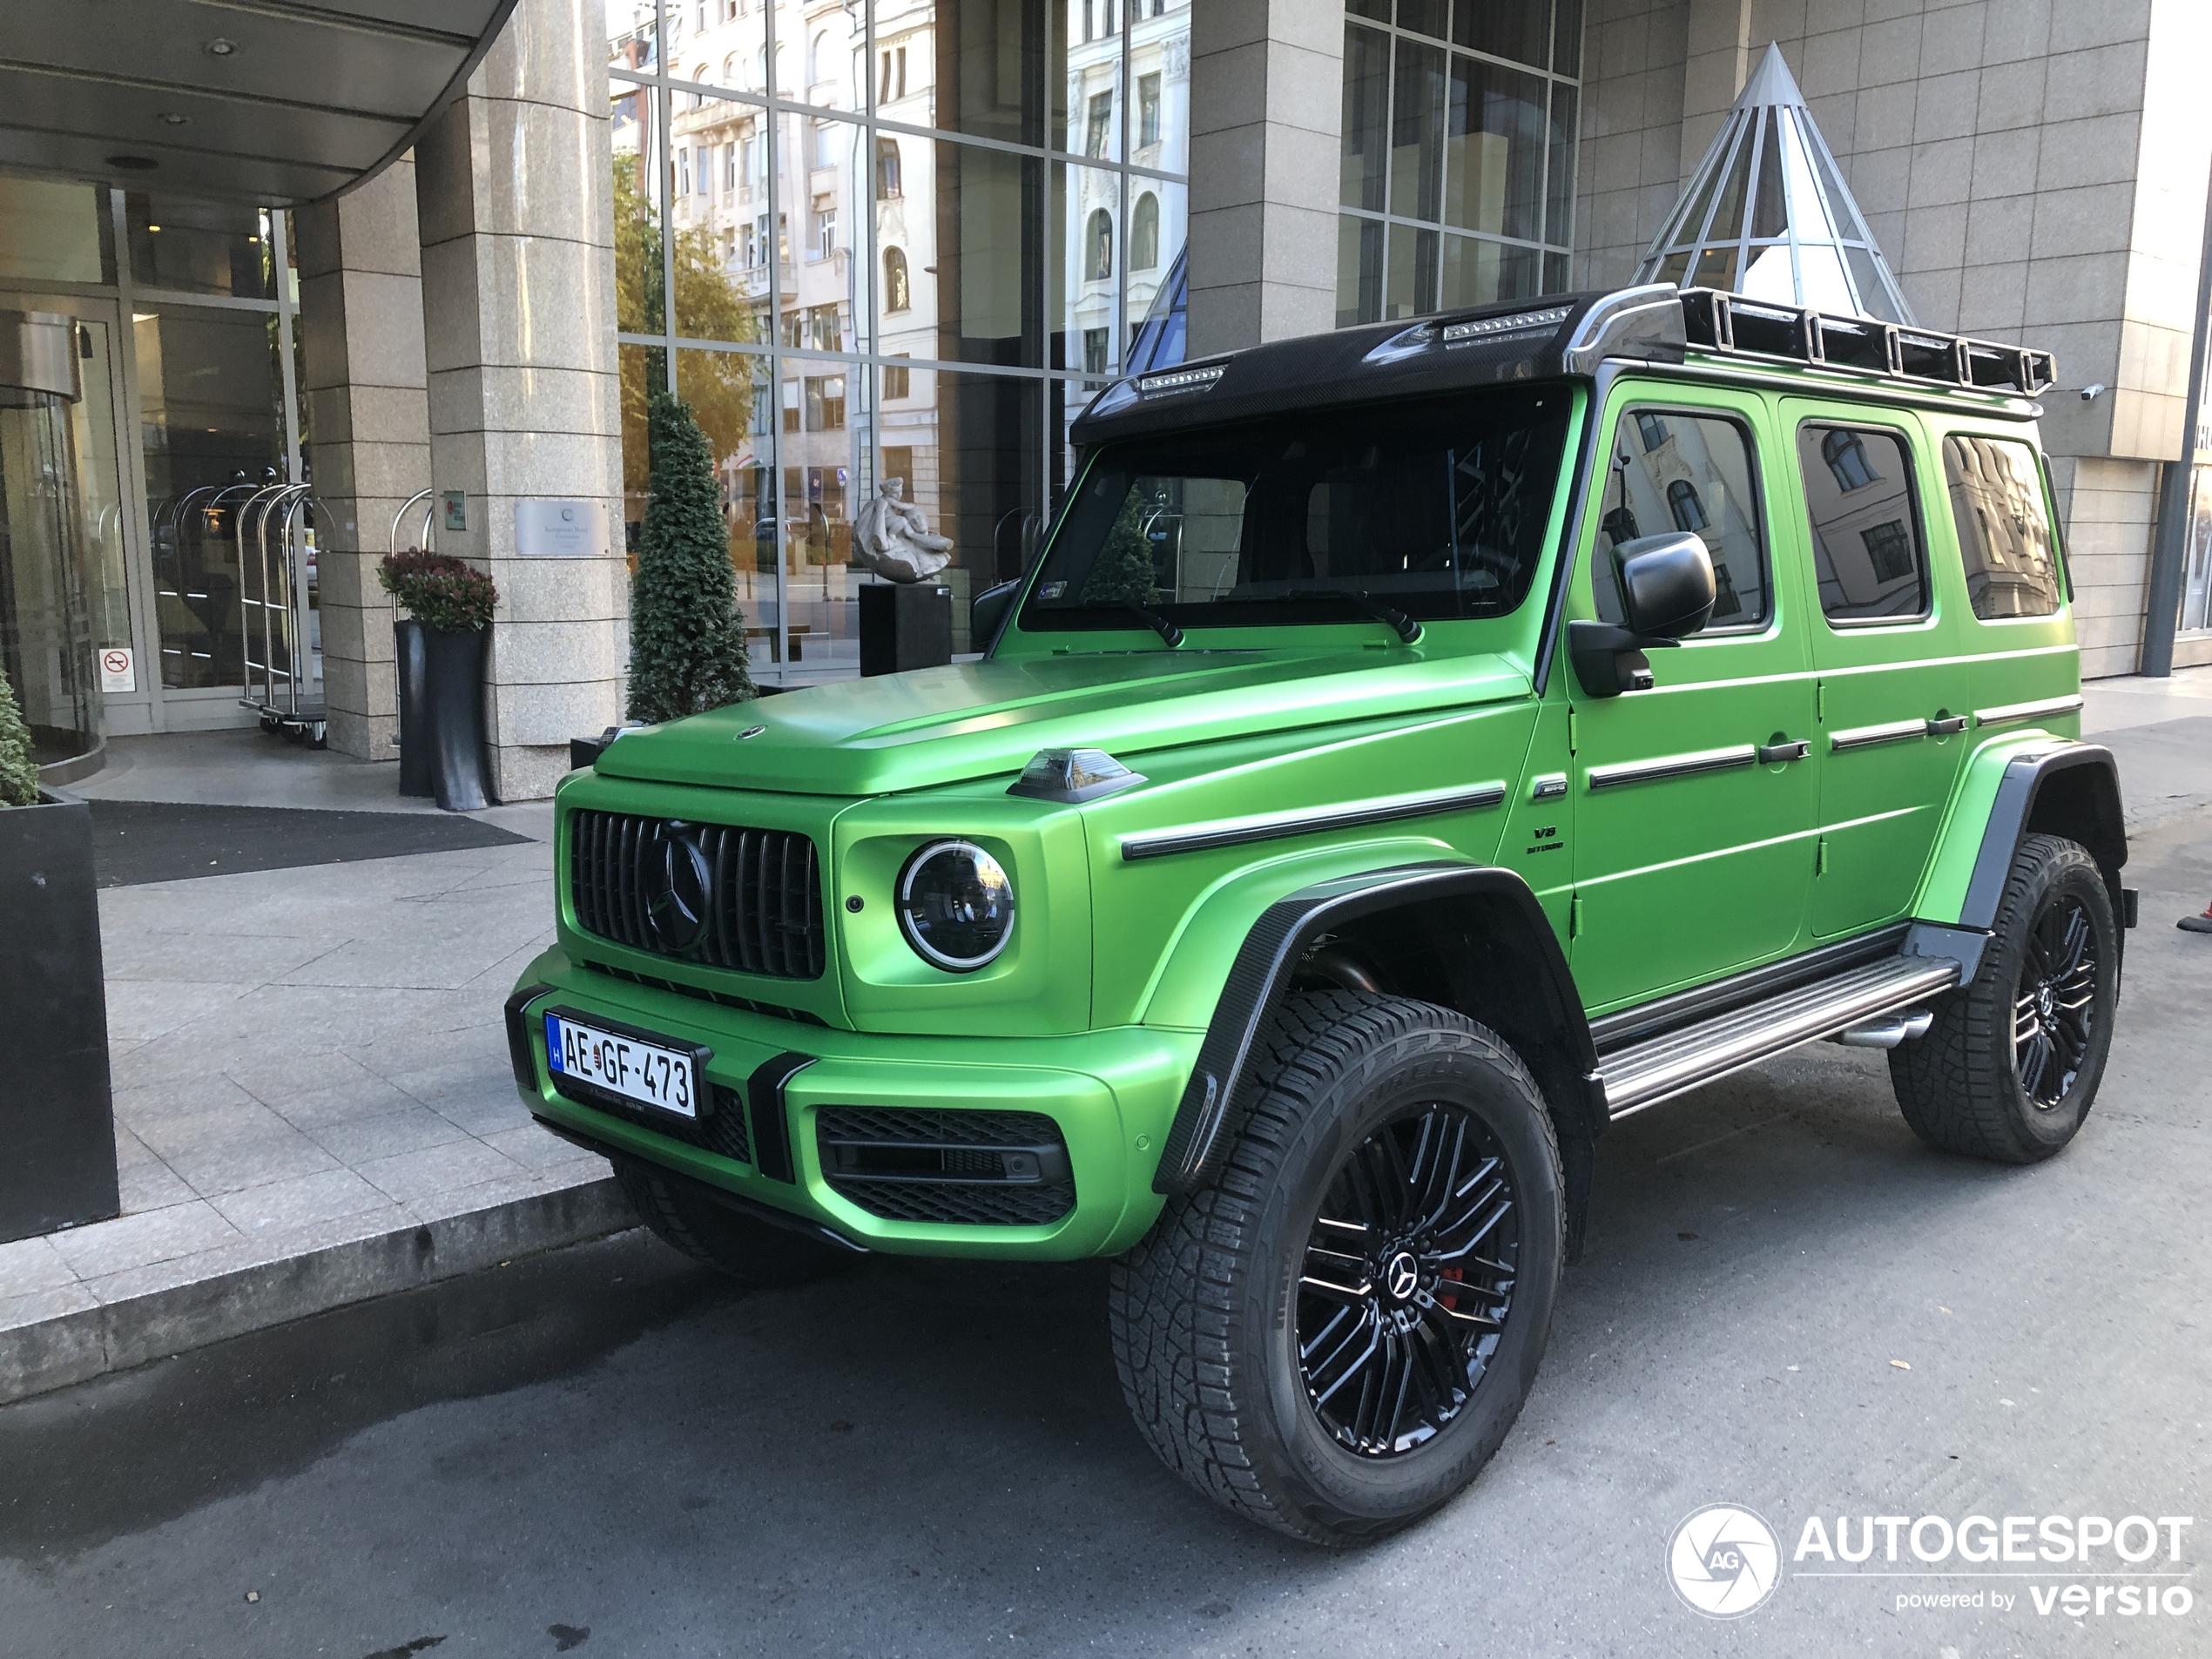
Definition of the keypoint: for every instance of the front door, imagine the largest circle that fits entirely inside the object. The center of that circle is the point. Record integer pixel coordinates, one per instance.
(1694, 825)
(1891, 688)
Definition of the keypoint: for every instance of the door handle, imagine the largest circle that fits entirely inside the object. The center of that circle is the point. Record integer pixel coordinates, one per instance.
(1946, 725)
(1794, 749)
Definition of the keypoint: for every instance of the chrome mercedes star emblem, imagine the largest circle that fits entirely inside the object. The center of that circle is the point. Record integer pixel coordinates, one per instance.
(679, 885)
(751, 732)
(1402, 1276)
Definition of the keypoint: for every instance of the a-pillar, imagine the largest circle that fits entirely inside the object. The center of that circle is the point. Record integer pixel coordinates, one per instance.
(360, 321)
(1267, 122)
(513, 185)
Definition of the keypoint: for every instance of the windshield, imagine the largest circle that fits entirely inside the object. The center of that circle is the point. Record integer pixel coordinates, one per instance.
(1436, 509)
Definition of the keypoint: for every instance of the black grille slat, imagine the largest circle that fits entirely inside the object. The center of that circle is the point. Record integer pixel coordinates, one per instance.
(766, 913)
(966, 1191)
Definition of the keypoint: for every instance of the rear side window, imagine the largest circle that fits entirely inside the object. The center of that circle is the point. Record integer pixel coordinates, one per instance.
(2004, 529)
(1867, 554)
(1672, 470)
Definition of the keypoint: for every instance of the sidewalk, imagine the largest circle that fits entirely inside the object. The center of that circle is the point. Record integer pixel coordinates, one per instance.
(312, 1097)
(312, 1102)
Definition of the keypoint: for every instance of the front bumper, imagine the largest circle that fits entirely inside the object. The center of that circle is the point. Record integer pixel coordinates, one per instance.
(1111, 1094)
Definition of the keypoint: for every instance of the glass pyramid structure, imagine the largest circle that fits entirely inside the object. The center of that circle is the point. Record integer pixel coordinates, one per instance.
(1767, 215)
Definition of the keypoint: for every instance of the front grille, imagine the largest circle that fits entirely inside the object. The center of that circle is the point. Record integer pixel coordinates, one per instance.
(765, 909)
(721, 1131)
(963, 1168)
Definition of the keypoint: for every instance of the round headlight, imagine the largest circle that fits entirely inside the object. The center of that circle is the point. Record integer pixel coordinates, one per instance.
(956, 904)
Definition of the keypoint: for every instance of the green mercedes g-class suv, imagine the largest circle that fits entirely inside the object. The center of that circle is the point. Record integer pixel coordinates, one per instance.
(1415, 749)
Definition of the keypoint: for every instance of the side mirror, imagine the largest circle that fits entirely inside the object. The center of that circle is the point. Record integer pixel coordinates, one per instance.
(1667, 585)
(1667, 590)
(987, 613)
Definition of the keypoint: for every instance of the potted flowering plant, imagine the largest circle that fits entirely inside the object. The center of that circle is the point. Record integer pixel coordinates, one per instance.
(440, 653)
(56, 1116)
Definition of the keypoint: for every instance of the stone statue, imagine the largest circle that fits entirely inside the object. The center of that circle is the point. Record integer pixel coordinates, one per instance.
(891, 537)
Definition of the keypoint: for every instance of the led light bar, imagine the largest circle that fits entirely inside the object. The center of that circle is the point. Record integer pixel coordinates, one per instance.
(1491, 327)
(1172, 382)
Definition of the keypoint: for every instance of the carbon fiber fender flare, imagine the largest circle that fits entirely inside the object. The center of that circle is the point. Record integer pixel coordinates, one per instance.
(1497, 902)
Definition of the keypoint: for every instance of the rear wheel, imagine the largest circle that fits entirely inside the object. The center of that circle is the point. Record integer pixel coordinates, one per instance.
(754, 1253)
(2011, 1066)
(1333, 1339)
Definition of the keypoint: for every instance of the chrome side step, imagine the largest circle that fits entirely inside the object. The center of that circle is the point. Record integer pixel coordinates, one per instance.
(1643, 1074)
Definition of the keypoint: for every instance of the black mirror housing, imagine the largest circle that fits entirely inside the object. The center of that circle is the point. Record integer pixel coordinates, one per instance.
(987, 613)
(1667, 585)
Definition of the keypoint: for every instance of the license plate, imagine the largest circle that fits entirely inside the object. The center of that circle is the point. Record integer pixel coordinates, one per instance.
(624, 1064)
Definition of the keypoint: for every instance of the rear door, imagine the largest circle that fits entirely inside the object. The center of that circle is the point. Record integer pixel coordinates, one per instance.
(1892, 690)
(1693, 849)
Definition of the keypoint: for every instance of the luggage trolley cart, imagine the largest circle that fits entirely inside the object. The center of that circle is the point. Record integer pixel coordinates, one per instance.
(277, 610)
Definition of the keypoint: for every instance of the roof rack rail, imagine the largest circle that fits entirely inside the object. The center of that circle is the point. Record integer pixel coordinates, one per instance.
(1729, 324)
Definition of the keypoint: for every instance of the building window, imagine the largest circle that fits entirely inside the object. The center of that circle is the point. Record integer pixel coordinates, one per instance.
(683, 171)
(1098, 247)
(1095, 342)
(818, 59)
(889, 183)
(1683, 502)
(1148, 109)
(1144, 234)
(729, 169)
(1652, 430)
(825, 226)
(1845, 453)
(896, 383)
(1889, 549)
(1099, 123)
(891, 77)
(825, 397)
(825, 327)
(898, 296)
(1457, 170)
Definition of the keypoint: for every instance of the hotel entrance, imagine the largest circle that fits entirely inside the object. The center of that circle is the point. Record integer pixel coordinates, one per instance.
(125, 606)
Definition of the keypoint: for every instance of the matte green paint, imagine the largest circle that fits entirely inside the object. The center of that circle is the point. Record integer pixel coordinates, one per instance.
(1095, 1011)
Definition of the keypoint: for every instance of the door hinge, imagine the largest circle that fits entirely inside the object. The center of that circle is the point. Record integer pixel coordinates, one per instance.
(1820, 855)
(1575, 916)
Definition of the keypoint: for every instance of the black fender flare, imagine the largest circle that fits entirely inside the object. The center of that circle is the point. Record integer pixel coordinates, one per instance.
(2071, 789)
(1214, 1100)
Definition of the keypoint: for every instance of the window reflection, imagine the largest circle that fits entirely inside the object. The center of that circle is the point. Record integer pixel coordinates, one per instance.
(902, 301)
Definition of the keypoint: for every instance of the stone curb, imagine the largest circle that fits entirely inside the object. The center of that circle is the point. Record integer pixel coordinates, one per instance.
(53, 1353)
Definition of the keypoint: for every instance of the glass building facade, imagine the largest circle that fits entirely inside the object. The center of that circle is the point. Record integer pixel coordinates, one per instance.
(1457, 185)
(893, 244)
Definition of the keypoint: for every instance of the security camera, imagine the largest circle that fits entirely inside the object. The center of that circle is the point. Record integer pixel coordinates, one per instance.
(2090, 394)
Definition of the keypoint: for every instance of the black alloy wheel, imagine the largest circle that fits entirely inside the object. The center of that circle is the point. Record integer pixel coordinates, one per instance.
(2010, 1066)
(2055, 1009)
(1408, 1280)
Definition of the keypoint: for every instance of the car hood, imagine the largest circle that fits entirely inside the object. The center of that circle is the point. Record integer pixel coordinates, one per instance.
(935, 727)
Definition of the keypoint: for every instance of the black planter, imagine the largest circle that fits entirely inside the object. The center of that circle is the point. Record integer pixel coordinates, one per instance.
(410, 660)
(56, 1120)
(453, 699)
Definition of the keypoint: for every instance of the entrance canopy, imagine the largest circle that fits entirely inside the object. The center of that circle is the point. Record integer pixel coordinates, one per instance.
(270, 102)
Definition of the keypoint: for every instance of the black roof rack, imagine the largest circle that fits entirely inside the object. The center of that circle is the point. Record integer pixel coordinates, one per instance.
(1542, 338)
(1730, 325)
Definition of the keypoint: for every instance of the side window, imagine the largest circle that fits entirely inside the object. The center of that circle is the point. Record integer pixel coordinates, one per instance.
(1867, 556)
(1676, 470)
(2004, 532)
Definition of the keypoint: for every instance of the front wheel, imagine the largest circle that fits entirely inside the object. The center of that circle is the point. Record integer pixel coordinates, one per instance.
(1334, 1338)
(2012, 1063)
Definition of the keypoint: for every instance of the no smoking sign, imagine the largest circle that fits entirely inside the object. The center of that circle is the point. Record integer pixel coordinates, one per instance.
(118, 672)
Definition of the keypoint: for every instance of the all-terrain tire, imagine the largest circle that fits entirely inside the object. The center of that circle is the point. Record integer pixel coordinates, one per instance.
(758, 1253)
(1973, 1084)
(1206, 1312)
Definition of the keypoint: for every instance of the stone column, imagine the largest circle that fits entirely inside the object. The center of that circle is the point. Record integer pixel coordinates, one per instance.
(361, 321)
(513, 186)
(1266, 119)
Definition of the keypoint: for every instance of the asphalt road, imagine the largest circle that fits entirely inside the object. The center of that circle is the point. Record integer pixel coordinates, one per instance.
(606, 1452)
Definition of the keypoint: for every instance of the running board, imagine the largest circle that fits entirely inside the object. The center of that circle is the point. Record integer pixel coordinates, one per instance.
(1643, 1074)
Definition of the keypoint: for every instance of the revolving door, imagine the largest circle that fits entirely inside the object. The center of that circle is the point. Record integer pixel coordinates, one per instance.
(47, 579)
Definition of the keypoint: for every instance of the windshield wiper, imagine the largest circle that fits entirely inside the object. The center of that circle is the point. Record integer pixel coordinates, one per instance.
(1406, 627)
(1152, 619)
